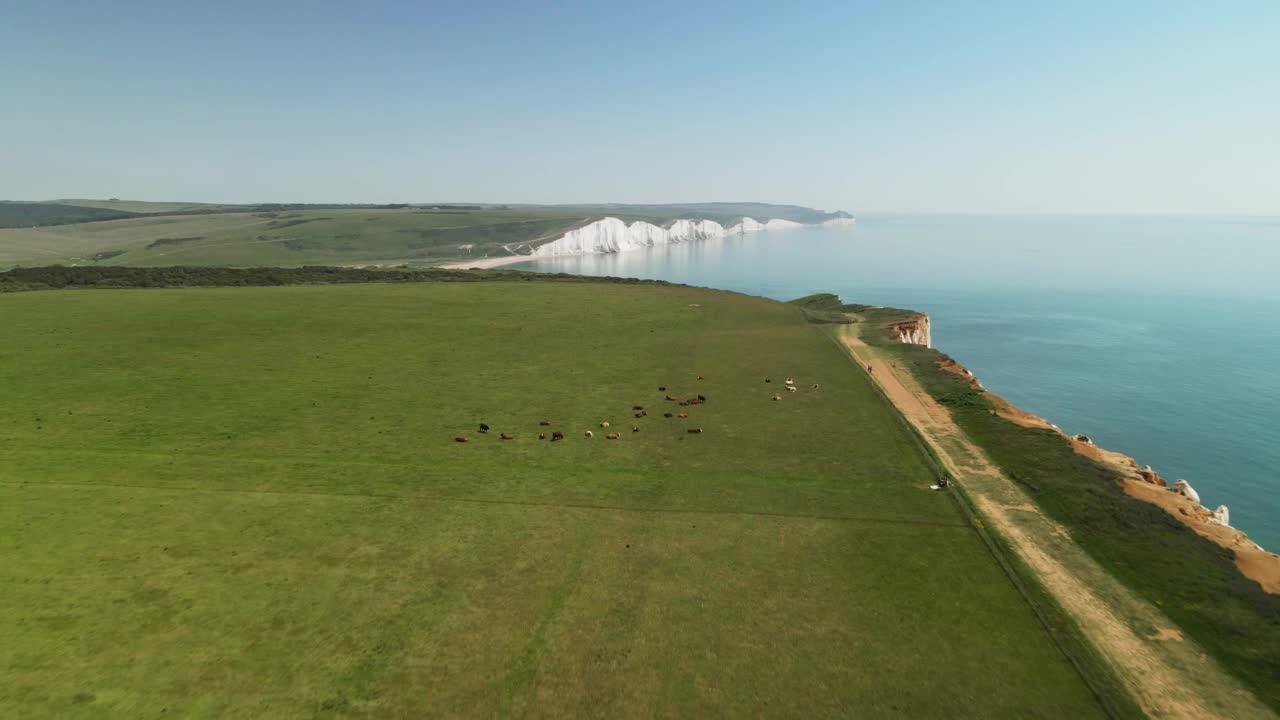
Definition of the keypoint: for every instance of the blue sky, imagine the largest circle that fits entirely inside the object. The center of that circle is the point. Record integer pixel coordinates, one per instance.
(1115, 107)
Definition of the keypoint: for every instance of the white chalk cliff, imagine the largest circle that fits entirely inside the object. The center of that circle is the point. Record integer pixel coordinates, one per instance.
(612, 235)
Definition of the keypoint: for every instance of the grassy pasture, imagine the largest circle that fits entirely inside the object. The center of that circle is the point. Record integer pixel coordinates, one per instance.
(144, 206)
(285, 238)
(248, 503)
(30, 214)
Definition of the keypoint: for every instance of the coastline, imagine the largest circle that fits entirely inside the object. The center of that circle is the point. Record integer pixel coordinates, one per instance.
(1145, 484)
(611, 235)
(1158, 662)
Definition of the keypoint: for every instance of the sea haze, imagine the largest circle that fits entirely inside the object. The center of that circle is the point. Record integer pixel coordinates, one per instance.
(1158, 337)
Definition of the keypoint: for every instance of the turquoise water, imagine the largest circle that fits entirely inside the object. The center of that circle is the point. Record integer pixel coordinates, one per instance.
(1157, 337)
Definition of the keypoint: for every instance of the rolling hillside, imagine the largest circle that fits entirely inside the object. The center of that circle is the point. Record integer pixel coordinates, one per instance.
(152, 234)
(249, 502)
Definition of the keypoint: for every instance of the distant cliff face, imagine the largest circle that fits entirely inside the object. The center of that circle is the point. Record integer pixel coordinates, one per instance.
(612, 235)
(914, 331)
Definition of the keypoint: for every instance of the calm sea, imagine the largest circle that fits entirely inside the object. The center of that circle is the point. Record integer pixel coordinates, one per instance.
(1157, 337)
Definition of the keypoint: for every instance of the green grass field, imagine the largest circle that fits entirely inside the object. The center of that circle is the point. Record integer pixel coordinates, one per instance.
(248, 503)
(286, 238)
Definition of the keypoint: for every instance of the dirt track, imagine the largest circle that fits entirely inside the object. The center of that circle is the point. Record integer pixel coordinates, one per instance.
(1168, 676)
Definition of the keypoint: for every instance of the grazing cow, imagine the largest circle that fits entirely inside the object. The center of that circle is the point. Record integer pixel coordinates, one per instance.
(777, 396)
(557, 435)
(604, 424)
(667, 415)
(699, 377)
(635, 428)
(484, 428)
(611, 436)
(683, 415)
(789, 381)
(636, 407)
(791, 388)
(590, 434)
(684, 403)
(507, 436)
(816, 386)
(695, 431)
(768, 380)
(542, 436)
(670, 398)
(702, 398)
(545, 423)
(459, 439)
(662, 388)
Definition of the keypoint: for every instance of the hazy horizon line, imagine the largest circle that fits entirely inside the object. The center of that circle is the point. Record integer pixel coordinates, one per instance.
(855, 213)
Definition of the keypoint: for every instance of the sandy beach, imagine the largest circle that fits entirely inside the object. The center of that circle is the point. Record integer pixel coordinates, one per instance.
(486, 263)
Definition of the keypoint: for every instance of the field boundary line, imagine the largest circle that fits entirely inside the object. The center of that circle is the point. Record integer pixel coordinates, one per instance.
(444, 499)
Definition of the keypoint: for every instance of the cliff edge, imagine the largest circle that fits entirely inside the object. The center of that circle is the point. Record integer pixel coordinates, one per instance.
(1179, 499)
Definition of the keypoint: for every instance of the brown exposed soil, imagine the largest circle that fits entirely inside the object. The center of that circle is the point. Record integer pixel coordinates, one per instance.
(1256, 563)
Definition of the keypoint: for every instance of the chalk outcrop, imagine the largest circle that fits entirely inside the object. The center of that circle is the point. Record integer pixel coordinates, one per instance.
(914, 332)
(1221, 516)
(611, 235)
(1182, 487)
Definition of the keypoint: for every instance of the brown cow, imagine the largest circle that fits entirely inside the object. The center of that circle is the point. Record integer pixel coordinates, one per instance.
(667, 415)
(459, 439)
(695, 431)
(702, 398)
(557, 435)
(507, 436)
(683, 415)
(545, 423)
(684, 403)
(611, 436)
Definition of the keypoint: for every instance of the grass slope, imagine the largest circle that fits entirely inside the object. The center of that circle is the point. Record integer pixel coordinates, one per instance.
(31, 214)
(247, 502)
(1194, 581)
(285, 238)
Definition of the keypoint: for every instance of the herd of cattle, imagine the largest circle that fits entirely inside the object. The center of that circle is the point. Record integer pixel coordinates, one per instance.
(639, 412)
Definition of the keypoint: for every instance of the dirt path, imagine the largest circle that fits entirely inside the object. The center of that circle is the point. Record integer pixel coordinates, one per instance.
(1170, 677)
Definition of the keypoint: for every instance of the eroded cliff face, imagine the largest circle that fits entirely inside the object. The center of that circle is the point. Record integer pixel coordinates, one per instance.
(612, 235)
(914, 331)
